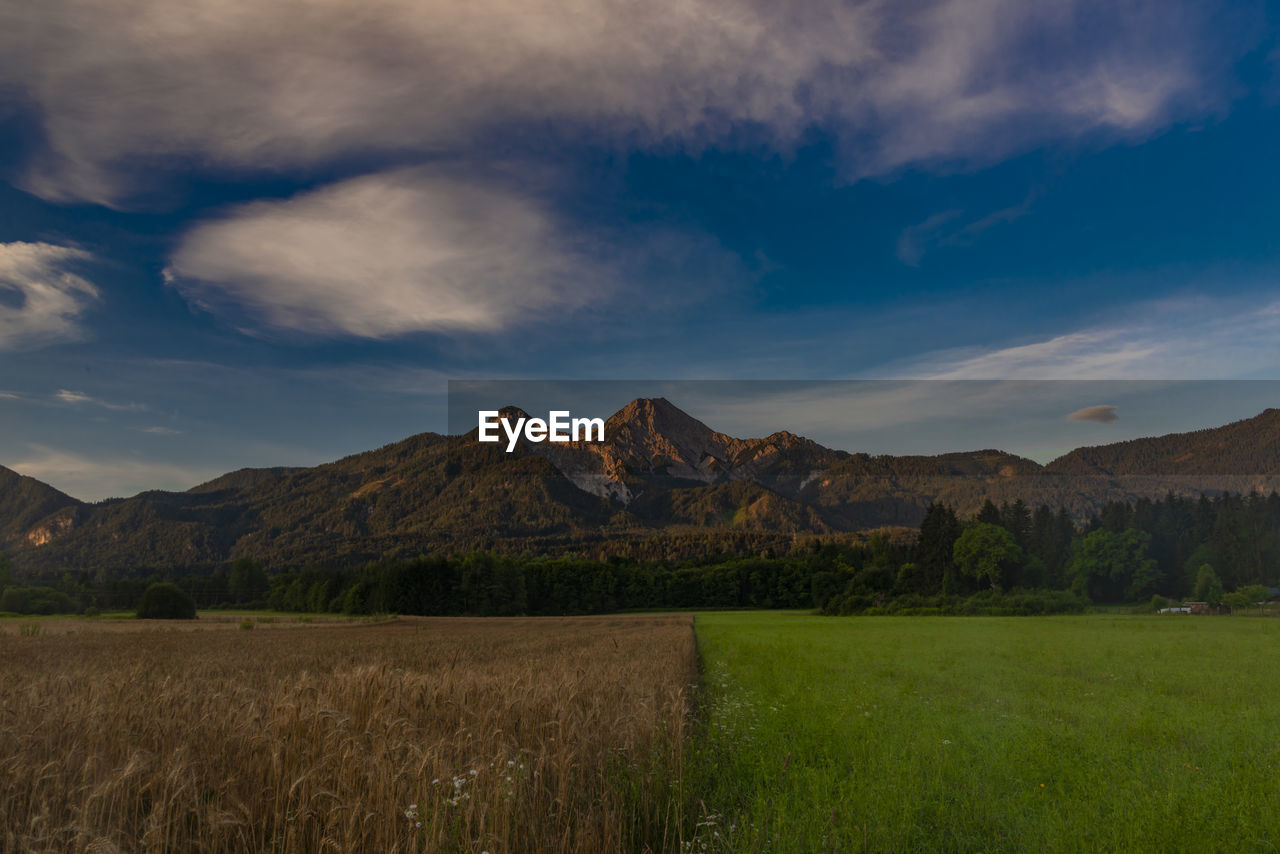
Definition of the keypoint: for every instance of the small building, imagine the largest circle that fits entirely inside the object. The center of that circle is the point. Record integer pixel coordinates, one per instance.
(1206, 608)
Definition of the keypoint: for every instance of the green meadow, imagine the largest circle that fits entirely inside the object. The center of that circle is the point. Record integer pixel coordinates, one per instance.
(1090, 733)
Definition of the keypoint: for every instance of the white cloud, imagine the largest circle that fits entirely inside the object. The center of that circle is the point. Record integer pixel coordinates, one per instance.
(1176, 339)
(295, 83)
(68, 396)
(41, 301)
(415, 250)
(76, 398)
(92, 479)
(1095, 354)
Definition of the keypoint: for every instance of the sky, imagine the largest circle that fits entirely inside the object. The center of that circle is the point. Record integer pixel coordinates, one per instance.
(244, 234)
(1034, 418)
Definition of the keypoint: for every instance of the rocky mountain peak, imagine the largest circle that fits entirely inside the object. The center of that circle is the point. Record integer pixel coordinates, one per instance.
(512, 412)
(658, 432)
(655, 415)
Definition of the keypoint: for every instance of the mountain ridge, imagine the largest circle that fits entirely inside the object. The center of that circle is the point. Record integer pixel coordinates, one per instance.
(659, 473)
(1231, 449)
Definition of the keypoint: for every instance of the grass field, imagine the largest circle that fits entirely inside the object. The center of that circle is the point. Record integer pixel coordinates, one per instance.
(1092, 733)
(416, 735)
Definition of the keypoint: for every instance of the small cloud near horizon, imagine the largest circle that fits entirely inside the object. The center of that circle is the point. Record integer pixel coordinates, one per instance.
(1096, 414)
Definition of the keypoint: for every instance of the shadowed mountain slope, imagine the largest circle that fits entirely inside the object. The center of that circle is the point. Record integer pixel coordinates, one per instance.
(1248, 447)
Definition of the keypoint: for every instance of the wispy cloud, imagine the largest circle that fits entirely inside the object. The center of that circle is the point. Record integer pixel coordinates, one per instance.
(916, 239)
(953, 228)
(162, 431)
(1197, 338)
(79, 398)
(68, 396)
(292, 84)
(416, 250)
(1103, 414)
(41, 300)
(95, 478)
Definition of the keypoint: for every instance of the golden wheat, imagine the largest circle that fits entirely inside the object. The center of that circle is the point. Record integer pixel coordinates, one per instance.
(418, 735)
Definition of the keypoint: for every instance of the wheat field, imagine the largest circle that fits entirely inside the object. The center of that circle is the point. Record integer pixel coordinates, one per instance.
(416, 735)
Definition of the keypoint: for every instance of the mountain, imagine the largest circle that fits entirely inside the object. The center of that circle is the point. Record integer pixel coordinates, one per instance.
(426, 493)
(651, 443)
(662, 484)
(32, 513)
(1249, 447)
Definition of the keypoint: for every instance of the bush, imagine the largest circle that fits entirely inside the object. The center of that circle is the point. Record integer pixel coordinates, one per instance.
(986, 603)
(1236, 601)
(166, 601)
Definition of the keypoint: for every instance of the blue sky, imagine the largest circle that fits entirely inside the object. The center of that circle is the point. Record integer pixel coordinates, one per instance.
(235, 233)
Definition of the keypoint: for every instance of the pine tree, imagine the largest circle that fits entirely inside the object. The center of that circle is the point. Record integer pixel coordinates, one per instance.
(934, 549)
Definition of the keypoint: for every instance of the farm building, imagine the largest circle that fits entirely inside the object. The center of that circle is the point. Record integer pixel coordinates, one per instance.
(1206, 608)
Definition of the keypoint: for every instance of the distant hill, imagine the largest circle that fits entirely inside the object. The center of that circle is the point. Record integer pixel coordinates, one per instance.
(661, 484)
(244, 479)
(32, 513)
(1248, 447)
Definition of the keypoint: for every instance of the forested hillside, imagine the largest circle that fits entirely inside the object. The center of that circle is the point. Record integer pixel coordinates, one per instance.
(1248, 447)
(662, 485)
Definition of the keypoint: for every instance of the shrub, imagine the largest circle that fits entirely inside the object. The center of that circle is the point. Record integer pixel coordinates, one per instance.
(166, 601)
(987, 603)
(1236, 601)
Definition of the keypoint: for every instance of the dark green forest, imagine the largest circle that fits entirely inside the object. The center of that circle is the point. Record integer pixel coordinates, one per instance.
(1009, 558)
(1147, 551)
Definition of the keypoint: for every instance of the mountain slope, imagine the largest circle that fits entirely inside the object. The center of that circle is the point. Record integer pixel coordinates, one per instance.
(650, 444)
(660, 475)
(398, 499)
(32, 512)
(1248, 447)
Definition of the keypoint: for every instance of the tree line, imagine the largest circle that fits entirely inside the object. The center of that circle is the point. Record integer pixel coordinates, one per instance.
(1009, 558)
(1149, 550)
